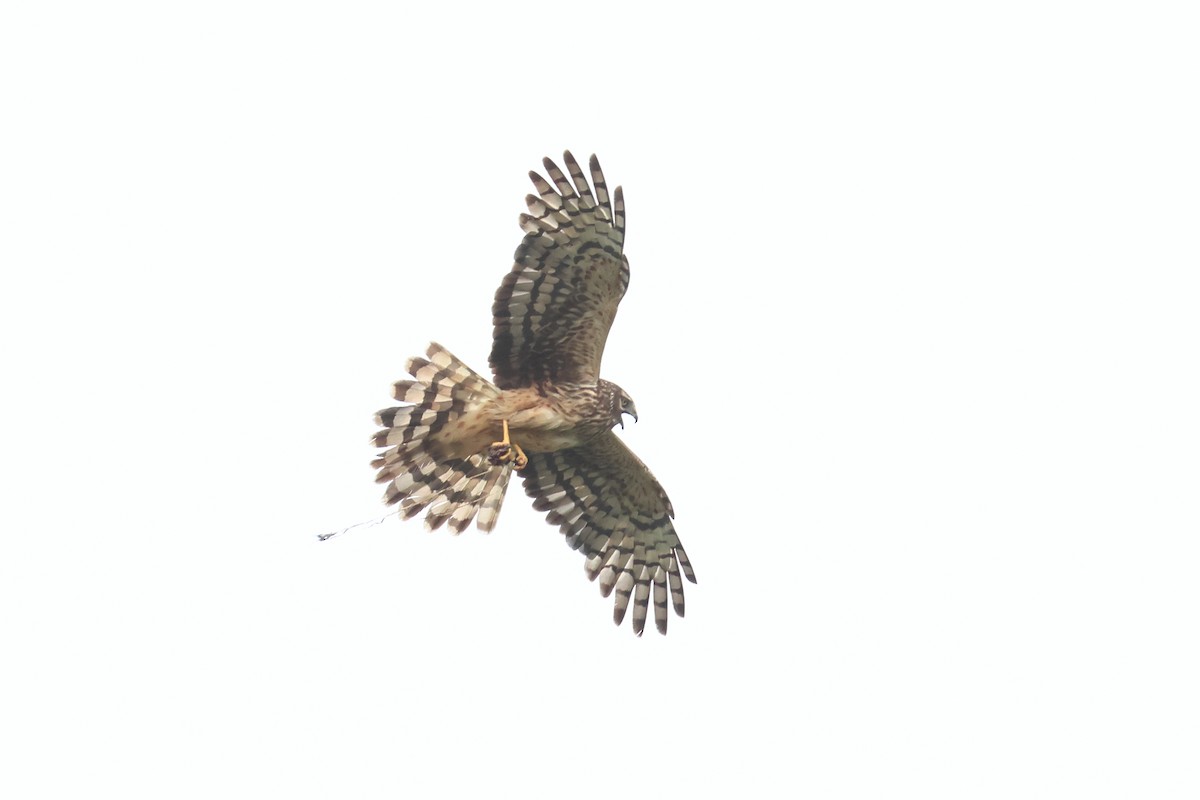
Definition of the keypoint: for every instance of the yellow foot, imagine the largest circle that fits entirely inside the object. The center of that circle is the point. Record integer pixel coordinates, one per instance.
(505, 452)
(501, 453)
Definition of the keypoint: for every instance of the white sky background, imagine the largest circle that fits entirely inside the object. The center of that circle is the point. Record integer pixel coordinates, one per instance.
(912, 330)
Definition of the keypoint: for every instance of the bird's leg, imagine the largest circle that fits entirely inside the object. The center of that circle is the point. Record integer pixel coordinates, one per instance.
(503, 452)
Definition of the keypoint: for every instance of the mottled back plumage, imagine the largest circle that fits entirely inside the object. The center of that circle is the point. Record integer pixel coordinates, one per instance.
(551, 318)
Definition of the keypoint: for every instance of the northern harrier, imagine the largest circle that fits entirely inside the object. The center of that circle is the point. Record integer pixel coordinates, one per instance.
(548, 414)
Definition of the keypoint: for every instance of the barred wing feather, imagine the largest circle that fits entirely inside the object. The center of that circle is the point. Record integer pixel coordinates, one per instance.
(608, 505)
(553, 311)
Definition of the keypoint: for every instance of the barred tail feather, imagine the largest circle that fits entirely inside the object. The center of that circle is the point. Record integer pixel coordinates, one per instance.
(452, 490)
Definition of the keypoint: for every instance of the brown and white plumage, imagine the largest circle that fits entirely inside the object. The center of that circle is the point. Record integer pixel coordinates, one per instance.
(421, 466)
(551, 317)
(607, 504)
(554, 308)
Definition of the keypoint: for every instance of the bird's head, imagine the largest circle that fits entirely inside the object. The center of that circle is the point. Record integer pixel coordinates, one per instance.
(619, 403)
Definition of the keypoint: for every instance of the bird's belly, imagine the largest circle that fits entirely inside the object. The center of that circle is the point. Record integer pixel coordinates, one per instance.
(544, 428)
(545, 441)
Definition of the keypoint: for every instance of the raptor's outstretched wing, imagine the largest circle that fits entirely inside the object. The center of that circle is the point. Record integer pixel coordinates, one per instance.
(553, 310)
(607, 504)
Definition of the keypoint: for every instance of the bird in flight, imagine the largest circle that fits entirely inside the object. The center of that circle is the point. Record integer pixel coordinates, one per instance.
(452, 446)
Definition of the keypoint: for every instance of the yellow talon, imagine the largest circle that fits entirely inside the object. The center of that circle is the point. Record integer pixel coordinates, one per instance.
(505, 451)
(520, 459)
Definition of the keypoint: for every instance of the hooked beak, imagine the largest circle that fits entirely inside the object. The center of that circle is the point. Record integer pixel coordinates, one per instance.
(621, 419)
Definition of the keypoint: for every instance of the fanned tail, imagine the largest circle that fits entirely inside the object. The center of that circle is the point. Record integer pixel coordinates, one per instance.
(455, 490)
